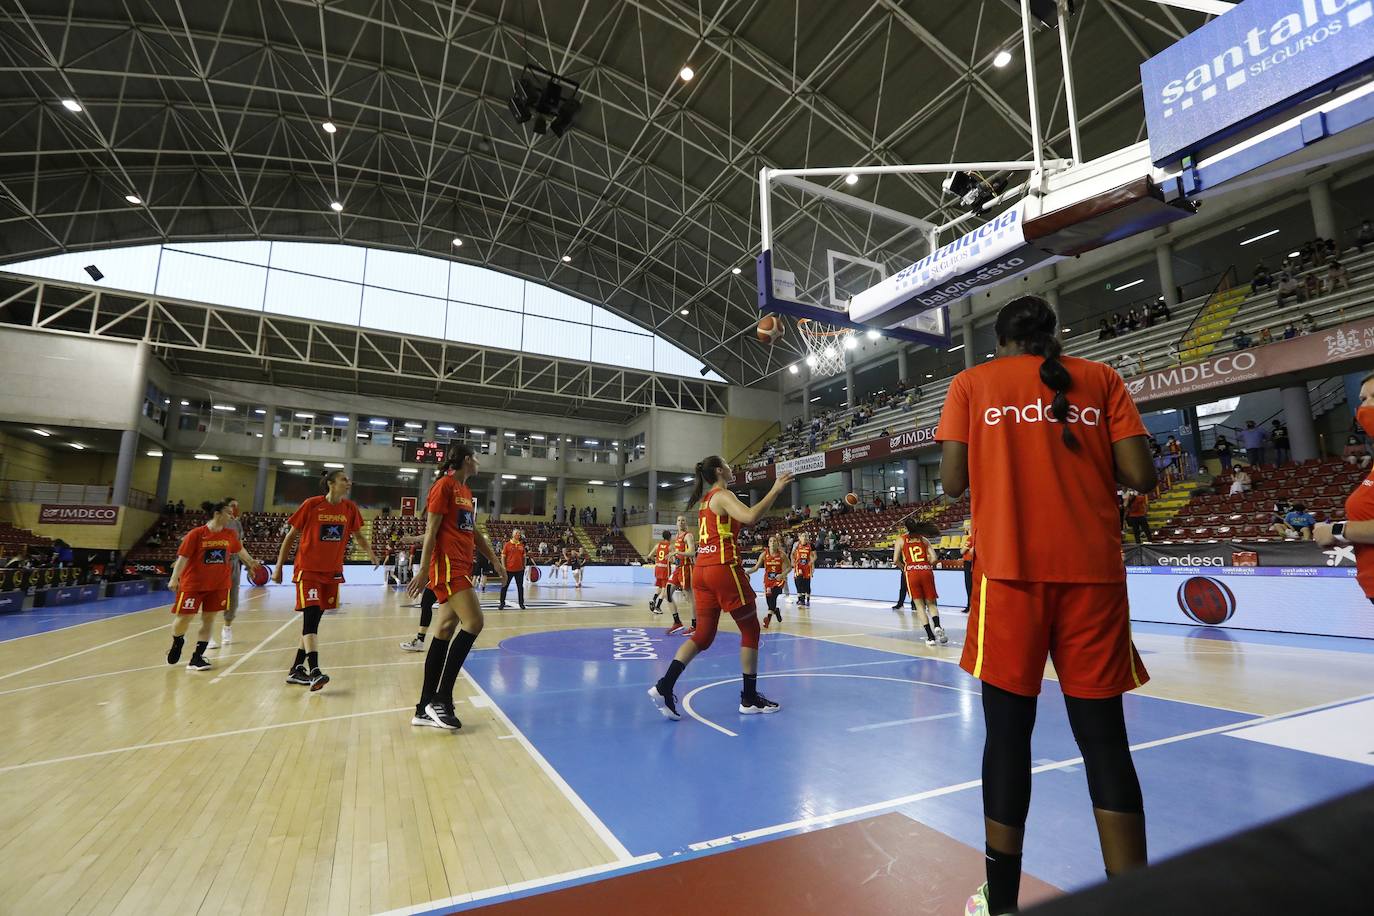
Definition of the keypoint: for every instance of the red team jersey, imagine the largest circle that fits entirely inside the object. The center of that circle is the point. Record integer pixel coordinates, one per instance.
(207, 556)
(719, 584)
(682, 564)
(455, 542)
(715, 536)
(661, 551)
(801, 561)
(1359, 507)
(325, 529)
(915, 554)
(772, 570)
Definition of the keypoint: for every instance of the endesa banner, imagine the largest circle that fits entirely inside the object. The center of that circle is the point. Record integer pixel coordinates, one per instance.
(1330, 348)
(1256, 59)
(899, 445)
(49, 514)
(993, 253)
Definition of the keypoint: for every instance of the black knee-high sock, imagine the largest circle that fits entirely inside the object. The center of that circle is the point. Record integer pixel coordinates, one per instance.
(1004, 880)
(935, 620)
(751, 682)
(434, 666)
(300, 659)
(665, 683)
(930, 634)
(312, 661)
(457, 653)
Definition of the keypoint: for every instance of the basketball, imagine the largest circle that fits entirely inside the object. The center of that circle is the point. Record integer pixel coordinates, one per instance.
(534, 574)
(1206, 600)
(260, 575)
(770, 329)
(851, 498)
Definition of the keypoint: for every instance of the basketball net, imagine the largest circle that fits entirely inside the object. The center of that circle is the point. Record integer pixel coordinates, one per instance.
(824, 346)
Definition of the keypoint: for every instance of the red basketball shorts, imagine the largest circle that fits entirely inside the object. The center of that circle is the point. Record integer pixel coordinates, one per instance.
(315, 589)
(724, 588)
(211, 602)
(445, 580)
(1085, 628)
(660, 576)
(920, 583)
(681, 578)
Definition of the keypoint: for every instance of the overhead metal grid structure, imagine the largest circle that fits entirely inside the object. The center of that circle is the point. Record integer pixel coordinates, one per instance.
(211, 115)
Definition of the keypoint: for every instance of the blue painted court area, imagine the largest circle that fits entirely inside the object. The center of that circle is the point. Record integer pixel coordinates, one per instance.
(45, 620)
(859, 727)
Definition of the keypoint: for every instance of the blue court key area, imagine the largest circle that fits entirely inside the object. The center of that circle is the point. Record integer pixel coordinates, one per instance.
(858, 726)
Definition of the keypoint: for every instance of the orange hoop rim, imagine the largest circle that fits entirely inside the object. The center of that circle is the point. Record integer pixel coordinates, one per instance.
(801, 326)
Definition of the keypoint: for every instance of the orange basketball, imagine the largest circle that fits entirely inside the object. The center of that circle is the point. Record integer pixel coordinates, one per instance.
(770, 329)
(851, 498)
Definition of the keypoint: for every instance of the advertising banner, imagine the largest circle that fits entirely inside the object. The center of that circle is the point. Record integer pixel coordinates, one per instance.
(1257, 59)
(1328, 349)
(11, 601)
(1239, 553)
(49, 514)
(901, 444)
(124, 589)
(812, 462)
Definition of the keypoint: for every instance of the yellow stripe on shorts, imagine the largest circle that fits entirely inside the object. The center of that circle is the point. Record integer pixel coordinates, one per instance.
(982, 622)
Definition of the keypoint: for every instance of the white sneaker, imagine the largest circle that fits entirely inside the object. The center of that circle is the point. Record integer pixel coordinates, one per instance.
(415, 645)
(212, 644)
(226, 635)
(940, 635)
(932, 641)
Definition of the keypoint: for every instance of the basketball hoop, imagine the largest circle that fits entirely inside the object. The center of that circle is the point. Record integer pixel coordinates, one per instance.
(825, 346)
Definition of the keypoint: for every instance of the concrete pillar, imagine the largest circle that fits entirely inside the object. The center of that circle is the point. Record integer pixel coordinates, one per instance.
(1194, 440)
(753, 496)
(969, 358)
(1164, 261)
(806, 400)
(912, 474)
(796, 493)
(164, 477)
(619, 499)
(1297, 416)
(902, 363)
(562, 492)
(494, 495)
(850, 394)
(1323, 217)
(653, 496)
(124, 467)
(269, 426)
(1052, 297)
(172, 423)
(847, 478)
(350, 444)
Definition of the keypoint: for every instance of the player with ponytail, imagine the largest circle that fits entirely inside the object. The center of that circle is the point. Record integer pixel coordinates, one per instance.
(1043, 475)
(719, 583)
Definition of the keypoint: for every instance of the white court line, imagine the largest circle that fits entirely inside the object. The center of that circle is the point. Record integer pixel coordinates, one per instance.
(410, 661)
(532, 884)
(113, 642)
(228, 734)
(891, 803)
(598, 826)
(894, 722)
(687, 700)
(254, 651)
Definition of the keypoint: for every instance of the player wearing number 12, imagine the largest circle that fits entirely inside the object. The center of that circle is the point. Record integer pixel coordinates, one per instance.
(720, 583)
(201, 580)
(323, 526)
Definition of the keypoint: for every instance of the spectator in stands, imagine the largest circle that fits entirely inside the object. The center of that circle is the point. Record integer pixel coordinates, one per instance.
(1356, 452)
(1312, 285)
(1306, 254)
(1331, 249)
(1222, 446)
(1289, 287)
(1173, 454)
(1252, 439)
(1262, 280)
(1132, 318)
(181, 507)
(1278, 520)
(1240, 483)
(1290, 331)
(1306, 325)
(1105, 331)
(1301, 521)
(1365, 236)
(1266, 337)
(1337, 275)
(1161, 310)
(1137, 508)
(1242, 340)
(878, 503)
(1278, 435)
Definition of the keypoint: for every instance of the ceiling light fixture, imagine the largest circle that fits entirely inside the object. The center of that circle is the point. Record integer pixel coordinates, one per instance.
(567, 259)
(43, 432)
(336, 206)
(407, 470)
(683, 312)
(71, 105)
(333, 465)
(411, 424)
(793, 369)
(77, 445)
(133, 198)
(1001, 59)
(339, 419)
(735, 270)
(850, 342)
(376, 422)
(293, 463)
(1295, 254)
(1129, 285)
(851, 179)
(330, 127)
(445, 428)
(686, 74)
(597, 483)
(207, 457)
(457, 243)
(154, 453)
(1262, 235)
(873, 335)
(477, 432)
(952, 349)
(228, 407)
(305, 416)
(509, 477)
(544, 479)
(259, 411)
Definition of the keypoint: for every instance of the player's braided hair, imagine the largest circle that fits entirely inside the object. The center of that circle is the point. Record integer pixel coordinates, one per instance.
(1030, 323)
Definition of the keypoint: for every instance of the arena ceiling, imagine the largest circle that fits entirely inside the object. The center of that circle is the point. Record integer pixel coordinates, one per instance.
(211, 114)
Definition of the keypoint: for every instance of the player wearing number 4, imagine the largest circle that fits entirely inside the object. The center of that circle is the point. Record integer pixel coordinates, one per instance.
(719, 583)
(323, 526)
(200, 580)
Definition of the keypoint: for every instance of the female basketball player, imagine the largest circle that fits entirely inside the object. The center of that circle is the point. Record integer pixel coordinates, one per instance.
(323, 526)
(446, 567)
(513, 562)
(663, 552)
(1043, 441)
(200, 580)
(721, 584)
(681, 554)
(226, 633)
(774, 563)
(803, 558)
(1358, 525)
(426, 608)
(577, 562)
(914, 555)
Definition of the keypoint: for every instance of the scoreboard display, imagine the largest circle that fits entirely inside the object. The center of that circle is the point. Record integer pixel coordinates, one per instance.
(425, 452)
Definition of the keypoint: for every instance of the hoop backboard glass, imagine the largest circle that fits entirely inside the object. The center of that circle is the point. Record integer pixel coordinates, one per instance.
(827, 246)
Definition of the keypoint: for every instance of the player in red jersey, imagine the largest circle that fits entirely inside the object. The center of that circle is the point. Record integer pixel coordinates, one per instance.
(682, 557)
(915, 557)
(1357, 528)
(446, 568)
(721, 584)
(201, 581)
(323, 526)
(774, 563)
(663, 555)
(513, 562)
(803, 560)
(1042, 442)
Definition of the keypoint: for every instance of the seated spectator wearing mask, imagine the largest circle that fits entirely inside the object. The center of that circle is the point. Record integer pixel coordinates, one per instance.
(1301, 521)
(1240, 483)
(1356, 452)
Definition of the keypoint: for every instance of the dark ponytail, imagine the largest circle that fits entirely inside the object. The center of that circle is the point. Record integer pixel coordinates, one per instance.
(705, 477)
(211, 509)
(457, 455)
(1030, 323)
(327, 478)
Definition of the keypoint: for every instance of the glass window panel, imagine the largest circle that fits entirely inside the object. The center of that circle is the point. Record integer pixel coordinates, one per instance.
(668, 358)
(313, 297)
(467, 283)
(408, 273)
(403, 312)
(488, 327)
(550, 303)
(336, 262)
(247, 252)
(202, 279)
(617, 348)
(604, 318)
(133, 269)
(557, 338)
